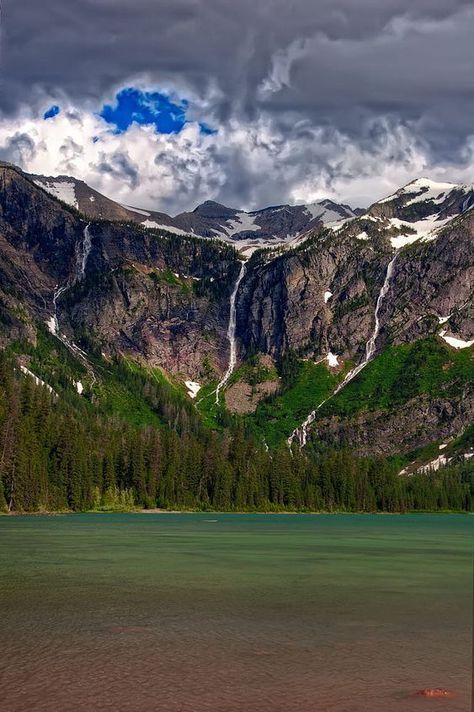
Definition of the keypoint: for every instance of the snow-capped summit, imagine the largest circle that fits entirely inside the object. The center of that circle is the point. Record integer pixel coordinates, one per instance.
(418, 210)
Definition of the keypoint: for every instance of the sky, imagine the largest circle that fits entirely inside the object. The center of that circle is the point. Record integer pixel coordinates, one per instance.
(163, 104)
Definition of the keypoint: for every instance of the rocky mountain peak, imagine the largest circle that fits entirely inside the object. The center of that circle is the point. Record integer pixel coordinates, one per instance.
(212, 209)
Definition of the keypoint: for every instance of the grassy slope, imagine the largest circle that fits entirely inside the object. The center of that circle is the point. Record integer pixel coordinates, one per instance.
(400, 373)
(114, 393)
(276, 418)
(397, 375)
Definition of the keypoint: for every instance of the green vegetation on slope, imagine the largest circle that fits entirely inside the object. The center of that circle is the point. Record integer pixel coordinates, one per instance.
(306, 385)
(120, 387)
(401, 373)
(134, 439)
(59, 453)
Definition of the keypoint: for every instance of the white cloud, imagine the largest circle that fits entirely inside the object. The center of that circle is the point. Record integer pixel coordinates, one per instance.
(245, 165)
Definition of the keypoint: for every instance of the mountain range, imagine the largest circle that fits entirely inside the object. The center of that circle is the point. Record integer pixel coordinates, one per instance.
(314, 324)
(260, 228)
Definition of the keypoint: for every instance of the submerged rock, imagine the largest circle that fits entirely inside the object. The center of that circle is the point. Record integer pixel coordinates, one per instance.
(435, 692)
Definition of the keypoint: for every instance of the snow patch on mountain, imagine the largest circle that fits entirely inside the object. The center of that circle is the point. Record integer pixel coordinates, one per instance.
(136, 210)
(427, 190)
(454, 342)
(434, 465)
(321, 212)
(51, 324)
(244, 222)
(152, 225)
(193, 388)
(62, 189)
(424, 229)
(37, 380)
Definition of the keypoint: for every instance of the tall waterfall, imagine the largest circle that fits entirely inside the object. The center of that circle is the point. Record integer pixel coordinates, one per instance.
(53, 324)
(301, 433)
(231, 333)
(86, 248)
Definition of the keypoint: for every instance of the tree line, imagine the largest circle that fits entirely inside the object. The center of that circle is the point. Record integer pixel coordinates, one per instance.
(55, 455)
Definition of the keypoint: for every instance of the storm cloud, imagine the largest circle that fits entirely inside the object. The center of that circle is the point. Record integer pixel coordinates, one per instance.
(308, 98)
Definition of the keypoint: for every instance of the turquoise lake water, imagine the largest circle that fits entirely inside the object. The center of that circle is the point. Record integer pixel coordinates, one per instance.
(185, 613)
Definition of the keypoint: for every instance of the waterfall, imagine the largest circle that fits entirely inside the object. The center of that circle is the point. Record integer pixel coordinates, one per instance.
(372, 342)
(86, 248)
(231, 333)
(53, 323)
(301, 433)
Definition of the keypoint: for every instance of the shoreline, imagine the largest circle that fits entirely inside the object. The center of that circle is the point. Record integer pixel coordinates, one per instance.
(160, 511)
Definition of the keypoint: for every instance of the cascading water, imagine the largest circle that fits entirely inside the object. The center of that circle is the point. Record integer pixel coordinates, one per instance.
(372, 342)
(231, 333)
(86, 248)
(53, 323)
(301, 433)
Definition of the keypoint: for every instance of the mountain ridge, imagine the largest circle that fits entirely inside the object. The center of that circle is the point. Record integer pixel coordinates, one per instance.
(274, 224)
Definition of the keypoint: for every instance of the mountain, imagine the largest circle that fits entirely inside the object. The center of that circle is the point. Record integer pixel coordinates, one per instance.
(267, 227)
(358, 332)
(77, 194)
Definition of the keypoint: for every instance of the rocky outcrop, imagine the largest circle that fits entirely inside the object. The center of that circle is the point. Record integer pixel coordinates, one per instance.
(412, 425)
(322, 297)
(434, 284)
(144, 292)
(313, 300)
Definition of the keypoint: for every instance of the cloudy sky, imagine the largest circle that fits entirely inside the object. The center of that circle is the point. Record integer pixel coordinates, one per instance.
(165, 103)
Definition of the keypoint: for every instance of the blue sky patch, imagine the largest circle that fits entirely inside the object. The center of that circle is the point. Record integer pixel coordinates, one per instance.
(145, 108)
(148, 109)
(51, 112)
(207, 130)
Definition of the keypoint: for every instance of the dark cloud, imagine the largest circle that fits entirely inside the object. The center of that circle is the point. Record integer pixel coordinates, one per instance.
(119, 166)
(18, 149)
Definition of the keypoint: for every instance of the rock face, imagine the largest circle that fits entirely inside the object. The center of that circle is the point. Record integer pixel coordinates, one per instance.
(421, 420)
(145, 292)
(162, 297)
(284, 303)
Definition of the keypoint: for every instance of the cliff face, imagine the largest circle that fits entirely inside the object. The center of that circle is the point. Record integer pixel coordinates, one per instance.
(313, 301)
(321, 302)
(322, 298)
(420, 421)
(144, 292)
(157, 297)
(165, 298)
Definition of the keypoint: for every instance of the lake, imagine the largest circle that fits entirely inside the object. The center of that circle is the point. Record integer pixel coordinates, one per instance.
(229, 612)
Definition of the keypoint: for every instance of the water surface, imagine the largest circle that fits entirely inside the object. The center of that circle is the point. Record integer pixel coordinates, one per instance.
(226, 612)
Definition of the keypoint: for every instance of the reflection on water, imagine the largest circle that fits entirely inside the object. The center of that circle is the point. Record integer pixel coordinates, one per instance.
(238, 612)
